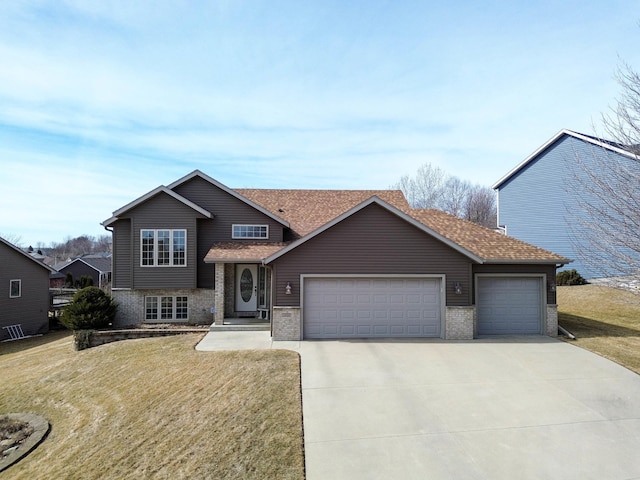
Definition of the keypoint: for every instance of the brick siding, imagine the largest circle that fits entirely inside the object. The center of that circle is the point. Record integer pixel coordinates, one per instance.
(131, 305)
(460, 323)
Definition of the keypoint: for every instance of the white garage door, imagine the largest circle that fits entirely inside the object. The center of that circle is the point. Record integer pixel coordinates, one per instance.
(371, 307)
(509, 305)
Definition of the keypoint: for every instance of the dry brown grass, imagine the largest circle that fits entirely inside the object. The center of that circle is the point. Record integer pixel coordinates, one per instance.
(155, 408)
(605, 321)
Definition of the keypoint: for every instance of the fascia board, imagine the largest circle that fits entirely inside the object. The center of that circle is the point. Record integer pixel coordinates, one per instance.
(233, 193)
(359, 207)
(42, 264)
(563, 261)
(553, 139)
(151, 194)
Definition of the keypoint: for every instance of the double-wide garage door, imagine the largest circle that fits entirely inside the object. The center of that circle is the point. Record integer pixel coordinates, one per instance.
(371, 307)
(509, 305)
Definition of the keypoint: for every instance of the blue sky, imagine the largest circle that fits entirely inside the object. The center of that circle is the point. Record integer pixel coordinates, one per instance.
(104, 101)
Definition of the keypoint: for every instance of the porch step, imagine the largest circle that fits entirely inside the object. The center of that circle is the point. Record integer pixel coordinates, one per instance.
(247, 327)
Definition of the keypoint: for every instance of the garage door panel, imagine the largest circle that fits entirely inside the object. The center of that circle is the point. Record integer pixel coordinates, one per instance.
(509, 305)
(384, 307)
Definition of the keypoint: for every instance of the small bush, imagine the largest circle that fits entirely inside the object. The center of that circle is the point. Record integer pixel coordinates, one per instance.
(570, 277)
(84, 282)
(90, 308)
(82, 339)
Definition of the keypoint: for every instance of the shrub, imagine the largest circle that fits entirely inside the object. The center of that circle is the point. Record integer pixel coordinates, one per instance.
(90, 308)
(84, 282)
(570, 277)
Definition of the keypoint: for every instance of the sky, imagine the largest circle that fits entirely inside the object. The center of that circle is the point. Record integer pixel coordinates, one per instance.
(101, 102)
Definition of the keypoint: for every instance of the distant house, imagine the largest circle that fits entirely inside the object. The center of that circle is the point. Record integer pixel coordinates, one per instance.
(541, 200)
(57, 280)
(98, 267)
(24, 291)
(323, 264)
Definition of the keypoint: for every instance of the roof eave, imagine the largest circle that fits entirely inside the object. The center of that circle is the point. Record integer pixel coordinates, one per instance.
(390, 208)
(549, 142)
(198, 173)
(542, 261)
(153, 193)
(42, 264)
(233, 260)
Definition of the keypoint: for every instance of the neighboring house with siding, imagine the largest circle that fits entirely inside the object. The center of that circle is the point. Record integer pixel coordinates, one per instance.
(541, 200)
(323, 264)
(98, 267)
(24, 291)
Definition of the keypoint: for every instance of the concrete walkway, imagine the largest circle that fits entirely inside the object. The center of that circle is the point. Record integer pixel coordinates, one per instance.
(521, 407)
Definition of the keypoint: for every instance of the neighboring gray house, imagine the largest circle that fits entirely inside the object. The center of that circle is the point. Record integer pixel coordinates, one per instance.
(24, 291)
(541, 200)
(323, 264)
(98, 267)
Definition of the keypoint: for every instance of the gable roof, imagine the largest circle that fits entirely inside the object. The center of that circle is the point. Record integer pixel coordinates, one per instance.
(308, 210)
(391, 209)
(99, 264)
(599, 142)
(484, 243)
(233, 193)
(26, 255)
(151, 194)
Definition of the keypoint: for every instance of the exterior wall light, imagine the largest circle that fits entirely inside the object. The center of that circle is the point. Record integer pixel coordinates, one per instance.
(552, 287)
(457, 286)
(287, 289)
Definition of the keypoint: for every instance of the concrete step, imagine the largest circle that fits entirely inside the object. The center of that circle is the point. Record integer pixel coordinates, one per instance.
(250, 327)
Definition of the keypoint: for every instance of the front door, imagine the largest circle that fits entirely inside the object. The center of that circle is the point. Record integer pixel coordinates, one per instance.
(246, 288)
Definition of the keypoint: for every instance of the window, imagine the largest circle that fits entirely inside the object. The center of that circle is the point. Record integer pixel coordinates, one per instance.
(15, 288)
(166, 308)
(250, 231)
(163, 248)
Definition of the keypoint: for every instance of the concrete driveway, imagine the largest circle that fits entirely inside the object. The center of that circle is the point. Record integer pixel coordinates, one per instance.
(522, 407)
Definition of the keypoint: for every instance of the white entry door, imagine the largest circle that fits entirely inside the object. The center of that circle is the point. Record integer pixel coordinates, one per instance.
(246, 288)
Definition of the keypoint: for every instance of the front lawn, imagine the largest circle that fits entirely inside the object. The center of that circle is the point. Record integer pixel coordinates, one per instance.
(605, 321)
(155, 408)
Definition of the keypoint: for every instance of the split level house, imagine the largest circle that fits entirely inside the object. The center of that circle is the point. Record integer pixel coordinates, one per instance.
(551, 197)
(323, 264)
(24, 292)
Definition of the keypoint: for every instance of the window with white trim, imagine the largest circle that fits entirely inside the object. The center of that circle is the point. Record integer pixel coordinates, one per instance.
(163, 248)
(250, 231)
(166, 308)
(15, 288)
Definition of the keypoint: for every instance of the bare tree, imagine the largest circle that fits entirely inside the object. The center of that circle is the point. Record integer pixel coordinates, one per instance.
(455, 195)
(433, 188)
(424, 190)
(12, 238)
(605, 228)
(481, 206)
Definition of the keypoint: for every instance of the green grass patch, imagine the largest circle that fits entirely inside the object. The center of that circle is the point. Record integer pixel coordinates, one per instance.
(155, 408)
(605, 321)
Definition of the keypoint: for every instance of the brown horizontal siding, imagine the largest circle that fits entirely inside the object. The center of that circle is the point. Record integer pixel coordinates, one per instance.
(228, 210)
(30, 309)
(372, 241)
(122, 256)
(549, 270)
(160, 212)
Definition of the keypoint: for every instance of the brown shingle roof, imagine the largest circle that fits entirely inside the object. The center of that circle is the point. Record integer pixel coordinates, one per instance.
(229, 252)
(491, 246)
(307, 210)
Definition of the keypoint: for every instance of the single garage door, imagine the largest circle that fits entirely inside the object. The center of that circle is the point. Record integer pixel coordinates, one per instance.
(371, 307)
(509, 305)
